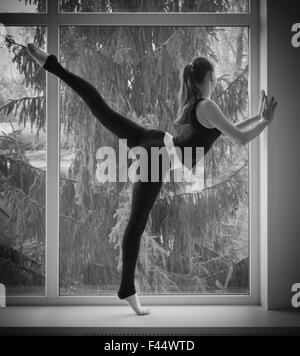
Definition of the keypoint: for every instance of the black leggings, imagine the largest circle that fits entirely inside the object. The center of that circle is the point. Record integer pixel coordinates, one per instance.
(144, 194)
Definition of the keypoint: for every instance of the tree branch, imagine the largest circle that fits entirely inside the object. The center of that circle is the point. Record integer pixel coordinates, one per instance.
(21, 99)
(32, 167)
(232, 83)
(214, 186)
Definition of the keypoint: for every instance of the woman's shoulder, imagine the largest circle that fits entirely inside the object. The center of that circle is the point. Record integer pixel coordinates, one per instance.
(202, 108)
(205, 103)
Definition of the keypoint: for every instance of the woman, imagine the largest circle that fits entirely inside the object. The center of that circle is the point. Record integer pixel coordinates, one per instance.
(201, 123)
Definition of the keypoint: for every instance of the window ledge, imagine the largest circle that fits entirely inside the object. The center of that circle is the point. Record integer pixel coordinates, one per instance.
(115, 319)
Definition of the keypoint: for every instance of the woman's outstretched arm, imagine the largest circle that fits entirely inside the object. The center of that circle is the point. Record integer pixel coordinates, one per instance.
(267, 112)
(246, 123)
(214, 115)
(251, 134)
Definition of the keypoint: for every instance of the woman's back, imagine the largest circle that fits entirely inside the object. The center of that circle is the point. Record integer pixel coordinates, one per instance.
(195, 134)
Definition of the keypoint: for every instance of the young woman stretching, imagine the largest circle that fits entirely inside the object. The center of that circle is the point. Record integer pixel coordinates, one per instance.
(201, 123)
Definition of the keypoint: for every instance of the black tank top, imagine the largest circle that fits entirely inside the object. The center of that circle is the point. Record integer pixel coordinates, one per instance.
(195, 135)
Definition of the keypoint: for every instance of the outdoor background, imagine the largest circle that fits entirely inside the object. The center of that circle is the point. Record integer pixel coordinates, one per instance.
(196, 241)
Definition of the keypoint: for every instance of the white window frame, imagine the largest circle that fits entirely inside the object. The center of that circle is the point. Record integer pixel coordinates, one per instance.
(52, 20)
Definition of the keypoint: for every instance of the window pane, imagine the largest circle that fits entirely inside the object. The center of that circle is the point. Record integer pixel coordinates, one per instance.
(22, 165)
(218, 6)
(23, 6)
(194, 239)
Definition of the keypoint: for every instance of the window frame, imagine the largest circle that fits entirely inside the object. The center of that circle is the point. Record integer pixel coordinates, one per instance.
(52, 19)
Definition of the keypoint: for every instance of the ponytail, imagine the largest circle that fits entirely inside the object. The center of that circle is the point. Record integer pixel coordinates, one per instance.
(189, 92)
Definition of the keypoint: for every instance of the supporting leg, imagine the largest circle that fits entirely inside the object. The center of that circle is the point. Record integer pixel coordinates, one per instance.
(143, 197)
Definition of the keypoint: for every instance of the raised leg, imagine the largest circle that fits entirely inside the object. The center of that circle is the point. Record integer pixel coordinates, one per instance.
(119, 125)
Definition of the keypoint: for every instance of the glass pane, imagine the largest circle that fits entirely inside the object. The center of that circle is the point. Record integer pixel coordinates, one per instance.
(23, 6)
(22, 165)
(217, 6)
(195, 238)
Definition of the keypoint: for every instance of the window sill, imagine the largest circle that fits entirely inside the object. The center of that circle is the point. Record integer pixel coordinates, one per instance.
(163, 319)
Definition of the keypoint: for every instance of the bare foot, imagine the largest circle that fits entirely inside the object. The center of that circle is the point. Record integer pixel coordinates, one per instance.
(133, 301)
(38, 55)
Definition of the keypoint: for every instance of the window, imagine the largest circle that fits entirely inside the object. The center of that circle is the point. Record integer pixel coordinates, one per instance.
(23, 168)
(28, 6)
(202, 244)
(231, 6)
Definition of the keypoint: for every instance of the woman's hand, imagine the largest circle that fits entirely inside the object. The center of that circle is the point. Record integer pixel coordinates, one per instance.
(268, 113)
(267, 109)
(262, 102)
